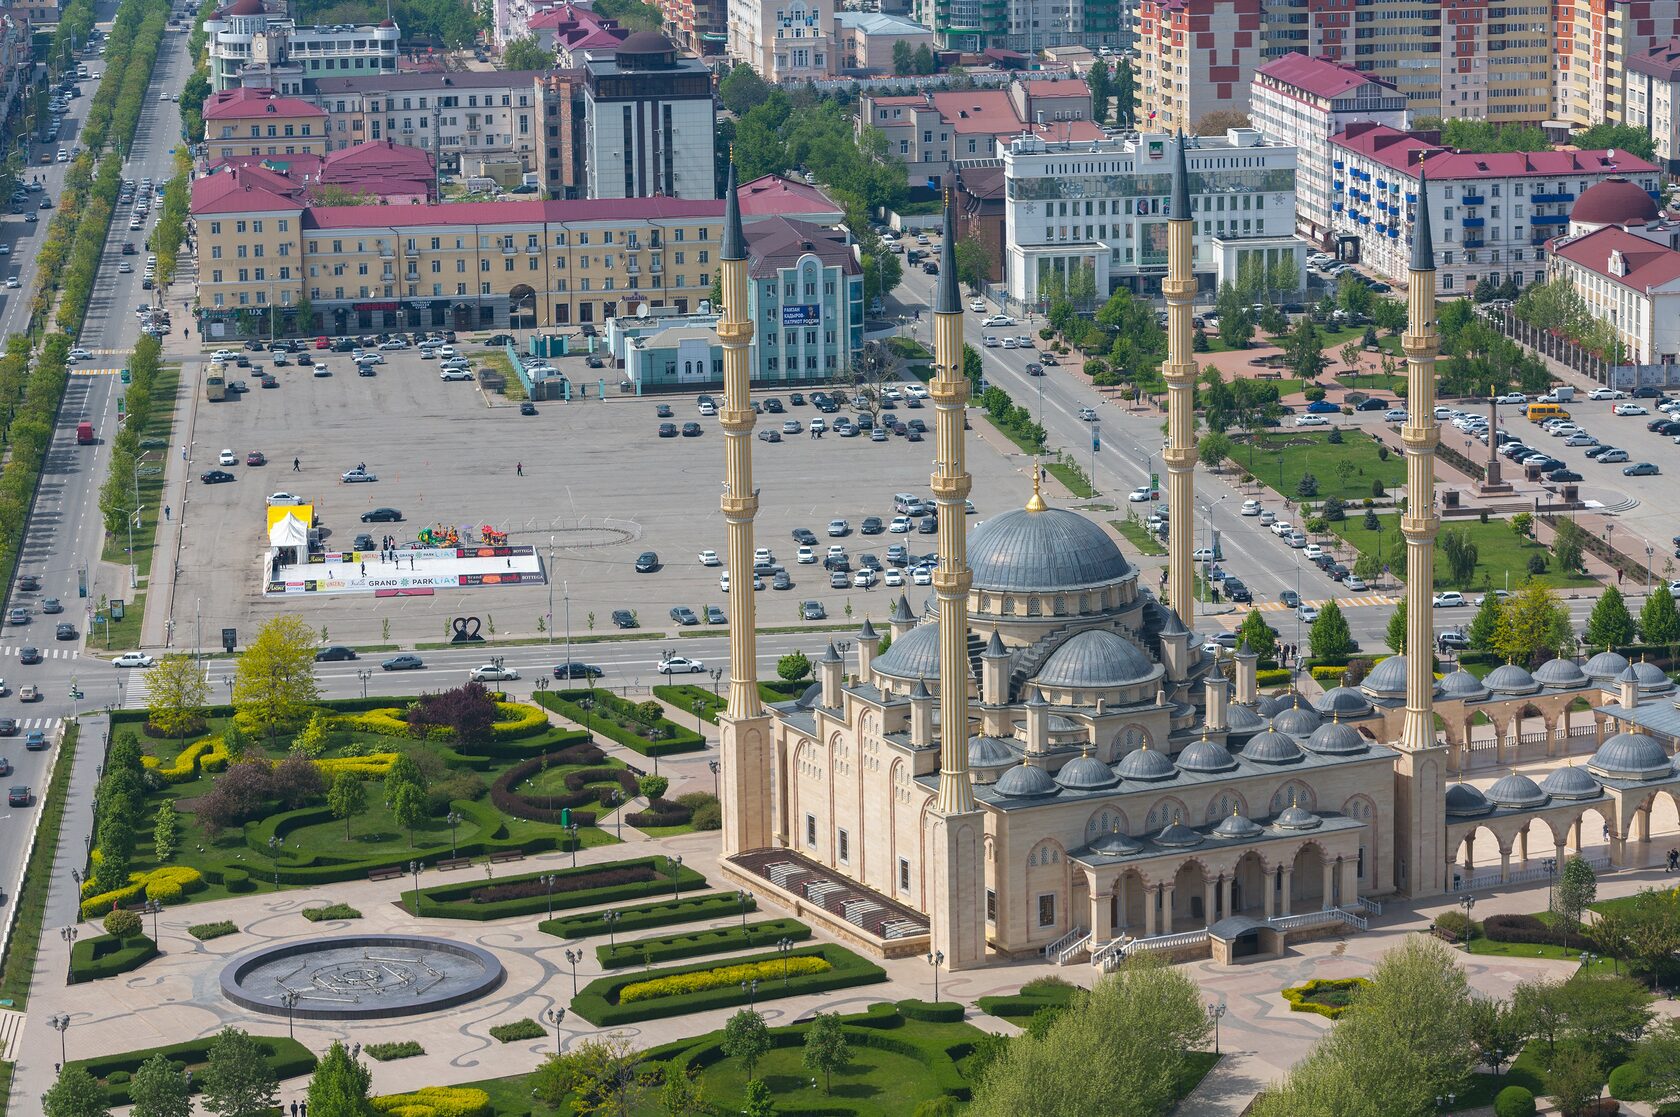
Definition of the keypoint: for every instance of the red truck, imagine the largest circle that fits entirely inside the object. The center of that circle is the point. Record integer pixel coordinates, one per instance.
(84, 434)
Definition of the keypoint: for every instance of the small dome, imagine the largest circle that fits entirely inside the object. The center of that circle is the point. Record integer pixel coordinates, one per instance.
(1086, 773)
(1510, 679)
(1272, 747)
(1115, 844)
(1614, 201)
(1243, 719)
(1297, 817)
(1605, 666)
(1053, 549)
(1461, 684)
(1205, 756)
(1651, 677)
(1298, 720)
(1337, 738)
(810, 697)
(645, 42)
(1631, 756)
(989, 752)
(1387, 679)
(1024, 781)
(1178, 836)
(1465, 801)
(915, 655)
(1094, 659)
(1277, 703)
(1344, 700)
(1238, 826)
(1560, 673)
(1515, 791)
(1145, 764)
(1570, 782)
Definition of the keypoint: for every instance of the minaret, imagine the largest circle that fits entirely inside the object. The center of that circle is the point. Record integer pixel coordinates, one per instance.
(1180, 373)
(1420, 773)
(743, 728)
(957, 900)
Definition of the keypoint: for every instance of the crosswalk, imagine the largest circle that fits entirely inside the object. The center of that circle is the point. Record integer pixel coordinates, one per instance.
(137, 690)
(94, 371)
(38, 723)
(46, 653)
(1369, 601)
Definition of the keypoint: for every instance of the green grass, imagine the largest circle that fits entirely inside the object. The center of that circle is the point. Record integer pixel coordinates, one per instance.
(286, 1057)
(1621, 904)
(1502, 555)
(1311, 451)
(1528, 1071)
(1371, 383)
(1139, 536)
(660, 913)
(1486, 946)
(1074, 480)
(31, 901)
(330, 912)
(5, 1087)
(1018, 1008)
(720, 940)
(126, 632)
(518, 1030)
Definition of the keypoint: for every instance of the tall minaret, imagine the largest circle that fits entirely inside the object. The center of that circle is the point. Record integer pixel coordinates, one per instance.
(957, 903)
(743, 729)
(1180, 373)
(1420, 774)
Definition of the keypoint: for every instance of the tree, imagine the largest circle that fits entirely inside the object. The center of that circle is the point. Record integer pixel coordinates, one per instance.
(178, 686)
(974, 263)
(1125, 93)
(1573, 1080)
(1576, 888)
(1605, 1015)
(1659, 1051)
(745, 1037)
(75, 1094)
(304, 314)
(1258, 635)
(408, 808)
(1117, 1050)
(743, 90)
(1645, 932)
(1610, 625)
(793, 666)
(159, 1090)
(166, 832)
(1533, 625)
(1353, 296)
(1622, 137)
(1218, 122)
(347, 798)
(274, 683)
(681, 1093)
(1303, 352)
(238, 1081)
(759, 1102)
(826, 1049)
(1659, 622)
(1497, 1031)
(1396, 635)
(1462, 555)
(403, 771)
(1367, 566)
(903, 58)
(653, 787)
(121, 924)
(297, 782)
(1484, 624)
(923, 61)
(312, 740)
(597, 1078)
(1213, 449)
(527, 54)
(1101, 89)
(339, 1086)
(1329, 637)
(1349, 353)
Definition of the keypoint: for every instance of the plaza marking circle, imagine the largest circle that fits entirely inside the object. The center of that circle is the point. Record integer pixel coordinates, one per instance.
(361, 977)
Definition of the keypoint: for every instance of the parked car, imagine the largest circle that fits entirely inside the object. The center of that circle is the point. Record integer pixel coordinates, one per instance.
(403, 662)
(334, 653)
(680, 665)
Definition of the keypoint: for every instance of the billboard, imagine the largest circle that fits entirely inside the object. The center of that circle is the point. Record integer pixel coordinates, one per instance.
(803, 314)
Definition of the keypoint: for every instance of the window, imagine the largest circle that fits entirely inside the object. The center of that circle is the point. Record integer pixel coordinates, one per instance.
(811, 830)
(991, 906)
(1047, 910)
(904, 874)
(845, 843)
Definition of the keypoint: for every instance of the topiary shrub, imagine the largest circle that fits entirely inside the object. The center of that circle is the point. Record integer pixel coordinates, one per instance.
(117, 1078)
(1536, 564)
(122, 924)
(1630, 1081)
(1455, 925)
(1514, 1101)
(1329, 997)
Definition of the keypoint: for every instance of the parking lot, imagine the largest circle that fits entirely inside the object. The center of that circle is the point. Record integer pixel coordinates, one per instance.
(598, 484)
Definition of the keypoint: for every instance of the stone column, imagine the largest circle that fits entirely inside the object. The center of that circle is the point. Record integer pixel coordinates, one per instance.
(1551, 736)
(1167, 891)
(1270, 889)
(1288, 872)
(1504, 864)
(1120, 917)
(1151, 914)
(1225, 895)
(1101, 932)
(1210, 897)
(1328, 900)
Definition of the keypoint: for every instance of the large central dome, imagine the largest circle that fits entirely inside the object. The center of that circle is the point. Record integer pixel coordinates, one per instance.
(1048, 550)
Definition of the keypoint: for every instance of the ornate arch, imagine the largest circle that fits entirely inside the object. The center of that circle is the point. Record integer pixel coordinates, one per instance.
(1296, 791)
(1360, 808)
(1046, 852)
(1221, 805)
(1162, 813)
(1104, 820)
(1132, 735)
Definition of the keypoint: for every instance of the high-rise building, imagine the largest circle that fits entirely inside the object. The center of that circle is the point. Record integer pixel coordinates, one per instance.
(1597, 43)
(1653, 99)
(784, 40)
(649, 122)
(1026, 26)
(701, 26)
(1194, 57)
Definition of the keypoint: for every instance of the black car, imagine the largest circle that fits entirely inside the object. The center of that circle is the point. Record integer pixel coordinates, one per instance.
(667, 430)
(714, 615)
(28, 582)
(1290, 598)
(572, 669)
(215, 477)
(1669, 428)
(1237, 592)
(871, 525)
(797, 399)
(930, 268)
(1595, 451)
(683, 615)
(624, 618)
(270, 382)
(812, 611)
(691, 430)
(774, 406)
(305, 359)
(928, 526)
(366, 370)
(805, 536)
(29, 654)
(382, 516)
(869, 562)
(364, 542)
(333, 653)
(527, 408)
(663, 411)
(1658, 423)
(403, 662)
(838, 564)
(647, 562)
(781, 581)
(8, 728)
(1559, 476)
(1035, 369)
(65, 631)
(1373, 404)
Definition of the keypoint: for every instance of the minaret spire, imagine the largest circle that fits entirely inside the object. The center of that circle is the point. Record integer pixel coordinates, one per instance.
(1179, 371)
(1419, 438)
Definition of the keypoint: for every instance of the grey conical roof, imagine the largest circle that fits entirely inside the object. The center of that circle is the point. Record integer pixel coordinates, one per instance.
(832, 655)
(1035, 697)
(867, 632)
(901, 609)
(1423, 240)
(1178, 836)
(947, 300)
(994, 646)
(1115, 844)
(920, 694)
(1180, 183)
(734, 237)
(1237, 826)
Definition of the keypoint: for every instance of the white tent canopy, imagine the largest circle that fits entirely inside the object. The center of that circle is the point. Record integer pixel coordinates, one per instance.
(288, 531)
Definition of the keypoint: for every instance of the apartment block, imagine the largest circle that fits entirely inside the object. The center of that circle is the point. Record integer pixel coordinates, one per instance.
(1596, 45)
(261, 122)
(700, 26)
(1301, 102)
(784, 40)
(1195, 57)
(1024, 26)
(247, 33)
(933, 131)
(472, 115)
(1653, 99)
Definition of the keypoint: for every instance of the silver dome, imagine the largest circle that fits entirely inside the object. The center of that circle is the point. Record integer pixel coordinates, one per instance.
(1178, 836)
(915, 655)
(1299, 720)
(1462, 684)
(1054, 549)
(1465, 801)
(1631, 756)
(1205, 756)
(1651, 677)
(1096, 658)
(1297, 817)
(1243, 719)
(1337, 739)
(1024, 781)
(1145, 764)
(1560, 673)
(1086, 773)
(1277, 703)
(1272, 747)
(1343, 700)
(1570, 782)
(1238, 826)
(1510, 679)
(809, 697)
(1515, 791)
(989, 752)
(1606, 665)
(1388, 678)
(1115, 844)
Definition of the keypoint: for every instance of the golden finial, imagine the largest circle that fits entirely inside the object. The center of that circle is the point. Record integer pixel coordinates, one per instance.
(1036, 504)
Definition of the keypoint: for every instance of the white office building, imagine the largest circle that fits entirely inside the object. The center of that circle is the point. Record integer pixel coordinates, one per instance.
(246, 33)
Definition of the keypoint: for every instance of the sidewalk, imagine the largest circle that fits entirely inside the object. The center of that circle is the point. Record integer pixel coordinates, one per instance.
(157, 631)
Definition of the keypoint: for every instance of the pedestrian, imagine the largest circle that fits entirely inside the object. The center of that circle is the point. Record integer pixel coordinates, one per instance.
(294, 1109)
(519, 468)
(166, 513)
(183, 453)
(295, 466)
(1620, 574)
(364, 570)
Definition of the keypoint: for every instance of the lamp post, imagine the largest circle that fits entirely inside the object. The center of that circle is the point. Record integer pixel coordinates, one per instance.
(611, 919)
(1468, 904)
(783, 946)
(290, 999)
(618, 815)
(548, 888)
(414, 868)
(935, 960)
(574, 957)
(275, 844)
(1649, 551)
(363, 675)
(573, 831)
(153, 908)
(746, 898)
(60, 1023)
(454, 820)
(556, 1017)
(750, 988)
(1551, 875)
(1215, 1014)
(716, 673)
(699, 706)
(676, 877)
(1445, 1102)
(715, 767)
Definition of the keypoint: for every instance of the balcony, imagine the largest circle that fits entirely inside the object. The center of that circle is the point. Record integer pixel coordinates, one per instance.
(1473, 199)
(1474, 222)
(1549, 199)
(1549, 219)
(508, 250)
(1476, 243)
(1335, 207)
(1411, 198)
(411, 277)
(1336, 186)
(1336, 164)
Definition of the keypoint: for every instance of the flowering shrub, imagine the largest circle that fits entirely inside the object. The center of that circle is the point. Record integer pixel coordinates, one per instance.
(720, 978)
(435, 1101)
(165, 885)
(1328, 997)
(376, 764)
(209, 755)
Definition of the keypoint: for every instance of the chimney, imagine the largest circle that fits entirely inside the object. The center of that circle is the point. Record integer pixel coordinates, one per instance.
(868, 642)
(921, 716)
(1248, 661)
(1218, 692)
(1038, 724)
(829, 669)
(994, 672)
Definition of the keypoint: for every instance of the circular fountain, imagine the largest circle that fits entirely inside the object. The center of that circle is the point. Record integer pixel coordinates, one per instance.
(360, 977)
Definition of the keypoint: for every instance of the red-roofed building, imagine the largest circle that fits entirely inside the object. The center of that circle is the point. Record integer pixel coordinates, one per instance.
(1492, 213)
(774, 196)
(1194, 57)
(1302, 102)
(1629, 277)
(391, 173)
(261, 122)
(1653, 99)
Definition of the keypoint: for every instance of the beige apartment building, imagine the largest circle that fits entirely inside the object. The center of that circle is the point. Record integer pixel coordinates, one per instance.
(1598, 43)
(464, 118)
(1653, 99)
(467, 265)
(1195, 57)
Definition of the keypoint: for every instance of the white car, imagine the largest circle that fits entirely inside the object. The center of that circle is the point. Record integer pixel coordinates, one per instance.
(394, 343)
(227, 457)
(805, 556)
(1629, 409)
(763, 554)
(921, 576)
(1089, 414)
(1498, 595)
(977, 306)
(493, 673)
(723, 581)
(1511, 397)
(863, 579)
(1451, 599)
(12, 283)
(277, 499)
(134, 659)
(1313, 550)
(1606, 393)
(80, 354)
(709, 558)
(900, 525)
(1267, 519)
(1307, 613)
(1251, 508)
(1446, 413)
(1203, 554)
(1312, 421)
(1280, 528)
(223, 355)
(1140, 495)
(680, 665)
(893, 577)
(358, 477)
(125, 268)
(998, 320)
(456, 375)
(1394, 415)
(1355, 583)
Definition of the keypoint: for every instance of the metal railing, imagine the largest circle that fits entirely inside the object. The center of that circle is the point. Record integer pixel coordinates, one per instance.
(1170, 942)
(1485, 878)
(1056, 947)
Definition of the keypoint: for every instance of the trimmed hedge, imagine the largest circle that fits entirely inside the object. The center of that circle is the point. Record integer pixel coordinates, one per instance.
(1630, 1081)
(1274, 676)
(207, 755)
(547, 808)
(720, 940)
(518, 1030)
(598, 1002)
(1297, 995)
(108, 956)
(637, 917)
(287, 1058)
(1529, 929)
(204, 932)
(166, 884)
(331, 911)
(435, 1101)
(661, 812)
(1514, 1101)
(932, 1012)
(676, 738)
(455, 901)
(386, 1052)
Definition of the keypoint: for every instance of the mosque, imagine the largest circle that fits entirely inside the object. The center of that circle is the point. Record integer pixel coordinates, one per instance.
(1111, 785)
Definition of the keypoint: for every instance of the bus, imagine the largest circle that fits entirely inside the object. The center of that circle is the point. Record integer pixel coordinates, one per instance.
(215, 388)
(1540, 412)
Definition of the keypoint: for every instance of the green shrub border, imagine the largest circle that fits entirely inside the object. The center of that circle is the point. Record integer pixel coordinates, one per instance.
(518, 1030)
(563, 703)
(107, 956)
(287, 1058)
(1297, 995)
(598, 1002)
(639, 917)
(452, 901)
(204, 932)
(932, 1012)
(387, 1052)
(717, 940)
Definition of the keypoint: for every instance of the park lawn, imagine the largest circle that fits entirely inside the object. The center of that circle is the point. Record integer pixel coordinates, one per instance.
(552, 781)
(1281, 457)
(1139, 537)
(875, 1083)
(1480, 945)
(1370, 383)
(1620, 904)
(1502, 556)
(1073, 480)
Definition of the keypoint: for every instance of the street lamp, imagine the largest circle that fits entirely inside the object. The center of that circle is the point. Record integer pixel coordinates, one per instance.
(676, 877)
(363, 675)
(1468, 904)
(783, 946)
(454, 820)
(610, 918)
(573, 831)
(153, 908)
(1215, 1014)
(1445, 1102)
(556, 1017)
(574, 957)
(715, 767)
(414, 868)
(290, 999)
(716, 673)
(548, 888)
(1551, 874)
(275, 844)
(618, 815)
(60, 1023)
(750, 988)
(935, 960)
(699, 722)
(746, 899)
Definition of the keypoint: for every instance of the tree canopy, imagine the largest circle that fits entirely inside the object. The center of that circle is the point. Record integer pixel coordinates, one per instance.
(274, 682)
(527, 54)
